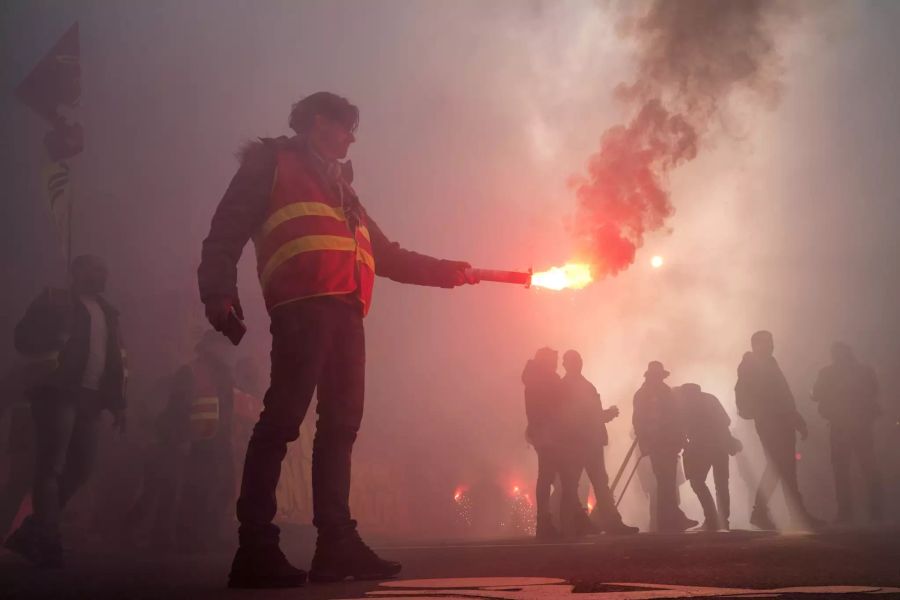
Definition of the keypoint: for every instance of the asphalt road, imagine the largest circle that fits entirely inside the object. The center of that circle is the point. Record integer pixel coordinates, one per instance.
(740, 564)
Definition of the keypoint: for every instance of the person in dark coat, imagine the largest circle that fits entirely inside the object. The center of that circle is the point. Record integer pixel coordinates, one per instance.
(709, 446)
(586, 427)
(544, 409)
(762, 394)
(79, 329)
(847, 394)
(657, 425)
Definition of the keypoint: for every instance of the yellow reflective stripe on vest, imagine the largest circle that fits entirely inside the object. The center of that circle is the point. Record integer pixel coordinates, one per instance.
(307, 243)
(365, 232)
(205, 408)
(296, 210)
(366, 258)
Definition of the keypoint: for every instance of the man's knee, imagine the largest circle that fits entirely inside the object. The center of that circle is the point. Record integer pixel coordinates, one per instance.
(336, 432)
(275, 429)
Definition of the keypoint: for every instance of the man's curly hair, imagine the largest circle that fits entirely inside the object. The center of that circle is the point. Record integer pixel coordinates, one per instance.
(304, 112)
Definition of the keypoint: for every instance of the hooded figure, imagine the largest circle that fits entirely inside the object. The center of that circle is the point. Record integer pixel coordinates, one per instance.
(545, 410)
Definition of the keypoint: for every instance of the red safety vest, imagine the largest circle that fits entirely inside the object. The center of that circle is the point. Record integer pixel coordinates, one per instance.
(204, 415)
(305, 247)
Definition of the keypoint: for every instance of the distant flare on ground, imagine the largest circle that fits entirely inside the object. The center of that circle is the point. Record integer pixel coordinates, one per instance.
(657, 261)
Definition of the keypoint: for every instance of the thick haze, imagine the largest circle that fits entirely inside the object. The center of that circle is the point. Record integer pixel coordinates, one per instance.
(474, 118)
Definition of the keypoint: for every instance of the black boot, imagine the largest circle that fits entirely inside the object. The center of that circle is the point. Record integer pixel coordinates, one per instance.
(24, 541)
(263, 567)
(610, 522)
(761, 519)
(617, 527)
(38, 547)
(346, 556)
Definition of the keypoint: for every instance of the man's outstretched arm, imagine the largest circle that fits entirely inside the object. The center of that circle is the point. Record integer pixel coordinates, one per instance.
(406, 266)
(238, 215)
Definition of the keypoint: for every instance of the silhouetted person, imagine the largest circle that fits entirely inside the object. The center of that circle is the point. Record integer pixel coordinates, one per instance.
(709, 446)
(660, 436)
(762, 393)
(318, 252)
(586, 427)
(544, 406)
(202, 408)
(81, 329)
(847, 394)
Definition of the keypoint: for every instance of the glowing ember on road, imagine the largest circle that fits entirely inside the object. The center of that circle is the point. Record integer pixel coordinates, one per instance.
(572, 276)
(657, 261)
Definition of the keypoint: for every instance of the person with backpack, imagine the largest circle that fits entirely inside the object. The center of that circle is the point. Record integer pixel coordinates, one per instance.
(763, 395)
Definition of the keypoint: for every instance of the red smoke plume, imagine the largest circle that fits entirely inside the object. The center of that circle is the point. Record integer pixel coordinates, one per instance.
(692, 55)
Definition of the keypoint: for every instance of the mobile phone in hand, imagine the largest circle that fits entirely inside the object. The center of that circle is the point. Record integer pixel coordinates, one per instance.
(234, 328)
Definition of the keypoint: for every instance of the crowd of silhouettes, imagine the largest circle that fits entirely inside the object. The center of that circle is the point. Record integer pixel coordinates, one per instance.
(684, 433)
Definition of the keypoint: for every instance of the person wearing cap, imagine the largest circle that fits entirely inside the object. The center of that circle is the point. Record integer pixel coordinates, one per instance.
(846, 392)
(545, 409)
(318, 251)
(762, 394)
(75, 333)
(709, 447)
(586, 430)
(660, 435)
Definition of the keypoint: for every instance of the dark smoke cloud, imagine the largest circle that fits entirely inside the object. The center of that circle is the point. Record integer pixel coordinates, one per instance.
(693, 56)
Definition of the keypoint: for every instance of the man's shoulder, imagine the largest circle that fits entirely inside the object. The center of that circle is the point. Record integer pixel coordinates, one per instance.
(261, 152)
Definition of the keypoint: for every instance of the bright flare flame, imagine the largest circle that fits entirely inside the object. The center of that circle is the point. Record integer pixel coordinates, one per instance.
(657, 261)
(572, 276)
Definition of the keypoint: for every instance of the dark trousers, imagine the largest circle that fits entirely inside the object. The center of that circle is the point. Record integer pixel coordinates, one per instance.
(665, 468)
(553, 463)
(595, 468)
(779, 442)
(318, 345)
(697, 464)
(65, 426)
(156, 506)
(848, 443)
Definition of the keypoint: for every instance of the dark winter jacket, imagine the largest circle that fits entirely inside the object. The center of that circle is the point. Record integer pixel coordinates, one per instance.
(706, 423)
(585, 417)
(847, 394)
(57, 324)
(544, 405)
(657, 420)
(762, 392)
(243, 209)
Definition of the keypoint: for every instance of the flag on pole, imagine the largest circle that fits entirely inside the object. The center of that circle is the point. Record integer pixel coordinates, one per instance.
(55, 184)
(53, 83)
(56, 80)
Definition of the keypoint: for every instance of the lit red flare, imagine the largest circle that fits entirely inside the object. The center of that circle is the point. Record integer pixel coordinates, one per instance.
(570, 276)
(574, 276)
